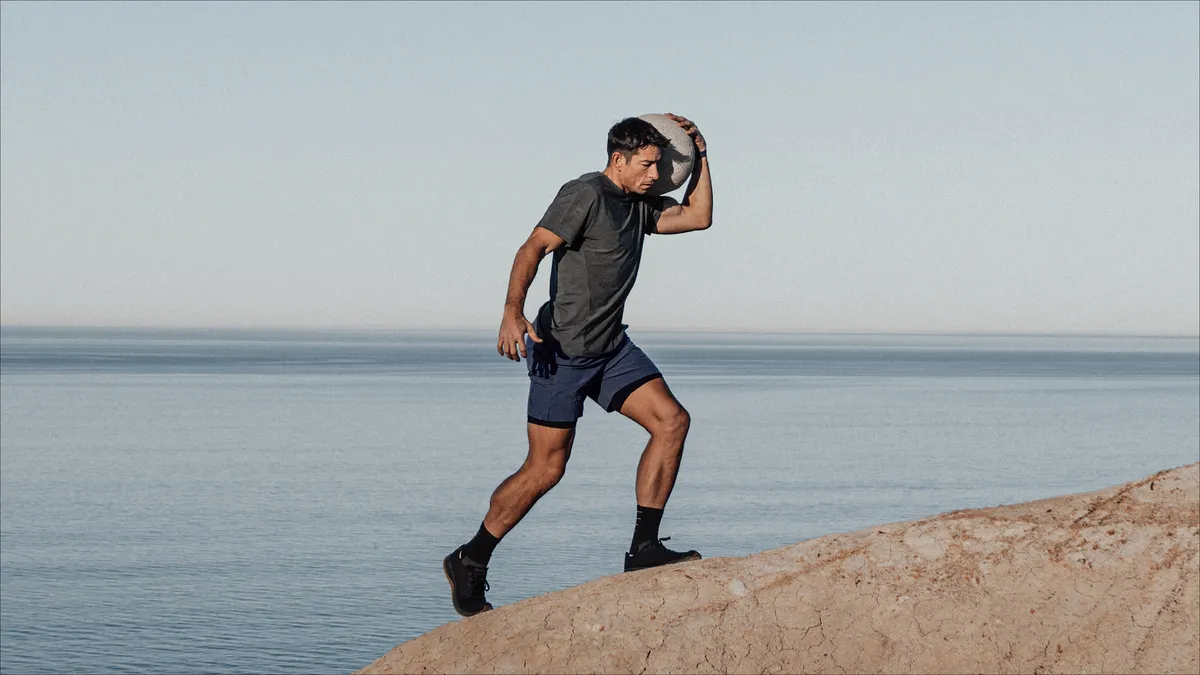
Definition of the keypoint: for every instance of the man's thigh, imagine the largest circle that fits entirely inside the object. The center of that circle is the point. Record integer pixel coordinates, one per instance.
(652, 405)
(625, 373)
(550, 445)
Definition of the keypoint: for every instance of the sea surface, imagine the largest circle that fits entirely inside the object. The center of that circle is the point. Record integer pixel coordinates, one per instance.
(279, 502)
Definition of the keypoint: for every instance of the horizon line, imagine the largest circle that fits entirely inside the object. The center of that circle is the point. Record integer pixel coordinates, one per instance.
(645, 329)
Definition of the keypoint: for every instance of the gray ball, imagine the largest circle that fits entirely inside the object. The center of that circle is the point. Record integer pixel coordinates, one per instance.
(677, 160)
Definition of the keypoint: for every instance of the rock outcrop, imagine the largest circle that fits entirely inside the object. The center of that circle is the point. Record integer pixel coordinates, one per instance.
(1097, 582)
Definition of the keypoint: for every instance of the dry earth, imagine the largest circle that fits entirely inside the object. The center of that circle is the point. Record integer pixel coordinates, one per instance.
(1098, 582)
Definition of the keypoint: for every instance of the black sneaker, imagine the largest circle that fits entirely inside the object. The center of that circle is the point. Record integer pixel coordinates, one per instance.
(653, 553)
(468, 581)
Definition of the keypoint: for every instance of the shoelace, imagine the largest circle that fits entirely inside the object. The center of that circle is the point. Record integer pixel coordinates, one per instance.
(476, 577)
(650, 545)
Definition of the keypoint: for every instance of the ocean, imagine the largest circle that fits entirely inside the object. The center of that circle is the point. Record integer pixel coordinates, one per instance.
(240, 501)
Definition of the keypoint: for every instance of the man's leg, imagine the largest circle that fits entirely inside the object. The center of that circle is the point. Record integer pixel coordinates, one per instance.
(654, 407)
(466, 567)
(549, 450)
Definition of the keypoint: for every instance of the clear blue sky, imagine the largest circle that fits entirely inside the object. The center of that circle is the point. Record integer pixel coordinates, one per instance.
(1024, 167)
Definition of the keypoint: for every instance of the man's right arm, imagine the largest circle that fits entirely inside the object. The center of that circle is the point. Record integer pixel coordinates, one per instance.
(514, 326)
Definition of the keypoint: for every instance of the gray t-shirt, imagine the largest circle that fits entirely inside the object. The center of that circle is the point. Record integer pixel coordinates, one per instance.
(592, 275)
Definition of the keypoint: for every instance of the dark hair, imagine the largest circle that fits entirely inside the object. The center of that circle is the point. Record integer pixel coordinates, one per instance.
(631, 134)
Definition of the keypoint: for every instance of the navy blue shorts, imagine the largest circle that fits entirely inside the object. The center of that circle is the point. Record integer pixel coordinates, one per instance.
(558, 383)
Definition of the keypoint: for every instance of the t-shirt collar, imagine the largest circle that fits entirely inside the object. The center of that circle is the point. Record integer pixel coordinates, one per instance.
(614, 188)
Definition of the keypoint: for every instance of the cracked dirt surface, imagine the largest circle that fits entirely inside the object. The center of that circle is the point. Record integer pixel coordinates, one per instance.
(1107, 581)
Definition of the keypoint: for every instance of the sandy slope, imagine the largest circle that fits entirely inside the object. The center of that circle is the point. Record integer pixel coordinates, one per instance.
(1098, 582)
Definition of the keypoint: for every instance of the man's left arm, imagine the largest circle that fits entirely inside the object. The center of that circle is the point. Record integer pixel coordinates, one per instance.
(695, 212)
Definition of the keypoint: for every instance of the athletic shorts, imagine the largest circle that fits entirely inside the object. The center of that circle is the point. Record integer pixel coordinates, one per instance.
(558, 383)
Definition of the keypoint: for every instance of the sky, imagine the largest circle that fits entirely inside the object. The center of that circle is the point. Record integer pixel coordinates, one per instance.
(893, 167)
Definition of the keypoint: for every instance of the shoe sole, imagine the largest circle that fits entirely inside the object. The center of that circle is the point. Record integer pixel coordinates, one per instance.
(673, 562)
(454, 596)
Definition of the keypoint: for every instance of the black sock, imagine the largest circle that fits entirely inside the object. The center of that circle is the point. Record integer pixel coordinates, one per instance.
(646, 528)
(480, 548)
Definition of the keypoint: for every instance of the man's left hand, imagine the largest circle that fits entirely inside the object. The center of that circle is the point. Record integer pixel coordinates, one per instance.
(691, 129)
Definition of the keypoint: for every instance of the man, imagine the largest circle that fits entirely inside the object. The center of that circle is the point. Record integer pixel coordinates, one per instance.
(578, 347)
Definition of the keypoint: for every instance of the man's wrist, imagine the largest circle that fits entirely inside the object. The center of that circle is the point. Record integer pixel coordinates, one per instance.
(701, 153)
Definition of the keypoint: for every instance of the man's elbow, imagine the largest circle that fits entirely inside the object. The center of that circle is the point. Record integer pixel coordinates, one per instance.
(532, 251)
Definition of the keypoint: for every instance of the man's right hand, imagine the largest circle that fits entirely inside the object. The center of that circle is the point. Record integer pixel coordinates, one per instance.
(512, 335)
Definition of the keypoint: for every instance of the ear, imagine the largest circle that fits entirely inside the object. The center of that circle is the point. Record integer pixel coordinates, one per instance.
(617, 159)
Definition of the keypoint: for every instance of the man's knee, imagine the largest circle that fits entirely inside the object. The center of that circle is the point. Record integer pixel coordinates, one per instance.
(548, 473)
(673, 423)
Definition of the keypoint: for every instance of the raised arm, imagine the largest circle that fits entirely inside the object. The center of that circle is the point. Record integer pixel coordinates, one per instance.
(695, 212)
(514, 326)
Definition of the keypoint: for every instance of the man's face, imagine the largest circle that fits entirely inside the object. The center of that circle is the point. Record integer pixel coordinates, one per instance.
(641, 170)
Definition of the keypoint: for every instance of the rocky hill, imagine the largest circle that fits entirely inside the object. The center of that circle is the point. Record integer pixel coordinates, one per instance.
(1099, 582)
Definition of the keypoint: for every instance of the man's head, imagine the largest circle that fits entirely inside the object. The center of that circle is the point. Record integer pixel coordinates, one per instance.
(634, 148)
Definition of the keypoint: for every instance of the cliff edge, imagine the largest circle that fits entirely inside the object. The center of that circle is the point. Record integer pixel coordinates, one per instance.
(1105, 581)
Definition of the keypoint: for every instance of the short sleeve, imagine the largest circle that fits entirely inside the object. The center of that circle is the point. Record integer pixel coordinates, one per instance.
(570, 211)
(657, 206)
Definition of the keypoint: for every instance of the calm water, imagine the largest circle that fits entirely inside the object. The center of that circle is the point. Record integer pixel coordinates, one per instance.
(258, 502)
